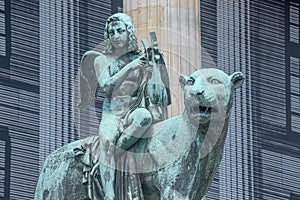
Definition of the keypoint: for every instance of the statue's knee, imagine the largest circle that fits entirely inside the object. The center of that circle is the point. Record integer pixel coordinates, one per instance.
(141, 117)
(146, 121)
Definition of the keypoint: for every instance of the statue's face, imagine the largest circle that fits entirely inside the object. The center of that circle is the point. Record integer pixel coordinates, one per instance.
(207, 95)
(118, 34)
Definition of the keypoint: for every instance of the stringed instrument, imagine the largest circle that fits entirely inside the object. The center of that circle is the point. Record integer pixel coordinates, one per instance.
(157, 96)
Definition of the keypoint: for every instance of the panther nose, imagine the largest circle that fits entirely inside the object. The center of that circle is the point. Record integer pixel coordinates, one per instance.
(200, 93)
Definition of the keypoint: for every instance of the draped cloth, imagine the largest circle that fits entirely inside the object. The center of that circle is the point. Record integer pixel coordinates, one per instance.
(127, 183)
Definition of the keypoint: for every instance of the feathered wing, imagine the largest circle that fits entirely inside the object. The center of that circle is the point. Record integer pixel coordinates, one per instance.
(88, 79)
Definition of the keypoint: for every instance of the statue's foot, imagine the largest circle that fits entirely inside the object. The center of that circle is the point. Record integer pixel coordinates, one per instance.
(109, 194)
(109, 198)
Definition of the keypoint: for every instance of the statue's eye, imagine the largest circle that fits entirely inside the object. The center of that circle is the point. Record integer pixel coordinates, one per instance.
(190, 82)
(121, 30)
(111, 33)
(215, 81)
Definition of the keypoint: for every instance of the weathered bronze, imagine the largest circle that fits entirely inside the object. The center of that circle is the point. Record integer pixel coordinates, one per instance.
(136, 97)
(139, 154)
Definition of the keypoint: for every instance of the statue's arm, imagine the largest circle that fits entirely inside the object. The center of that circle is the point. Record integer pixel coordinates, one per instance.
(108, 83)
(105, 81)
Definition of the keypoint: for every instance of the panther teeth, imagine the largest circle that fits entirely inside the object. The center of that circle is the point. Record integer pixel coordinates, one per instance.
(201, 110)
(206, 109)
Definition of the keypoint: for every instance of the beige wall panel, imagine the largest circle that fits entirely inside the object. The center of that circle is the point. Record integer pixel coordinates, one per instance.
(177, 26)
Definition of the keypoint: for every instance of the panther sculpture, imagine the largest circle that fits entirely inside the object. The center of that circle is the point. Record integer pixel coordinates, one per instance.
(179, 156)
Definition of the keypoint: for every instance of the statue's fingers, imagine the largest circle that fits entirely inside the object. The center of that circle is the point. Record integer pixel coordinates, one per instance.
(143, 57)
(145, 61)
(149, 68)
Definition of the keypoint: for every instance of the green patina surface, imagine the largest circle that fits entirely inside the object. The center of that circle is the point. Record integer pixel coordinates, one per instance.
(183, 152)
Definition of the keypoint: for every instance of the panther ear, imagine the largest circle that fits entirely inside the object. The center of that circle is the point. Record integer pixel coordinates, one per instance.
(182, 80)
(237, 79)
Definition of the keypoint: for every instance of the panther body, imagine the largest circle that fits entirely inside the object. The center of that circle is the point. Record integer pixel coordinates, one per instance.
(178, 157)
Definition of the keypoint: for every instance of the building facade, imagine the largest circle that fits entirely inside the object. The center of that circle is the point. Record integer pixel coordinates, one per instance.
(260, 38)
(41, 44)
(19, 97)
(275, 61)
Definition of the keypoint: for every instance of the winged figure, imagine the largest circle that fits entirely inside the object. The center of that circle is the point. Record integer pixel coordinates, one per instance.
(122, 72)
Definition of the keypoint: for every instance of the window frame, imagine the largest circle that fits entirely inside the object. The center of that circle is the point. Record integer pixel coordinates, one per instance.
(4, 136)
(290, 51)
(5, 60)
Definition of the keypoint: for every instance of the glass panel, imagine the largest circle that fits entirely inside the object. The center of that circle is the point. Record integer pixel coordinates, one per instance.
(2, 46)
(2, 23)
(2, 154)
(2, 165)
(295, 103)
(2, 5)
(294, 33)
(296, 123)
(294, 63)
(2, 177)
(294, 15)
(295, 85)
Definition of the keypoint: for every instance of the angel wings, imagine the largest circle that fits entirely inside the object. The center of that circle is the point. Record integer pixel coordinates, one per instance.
(88, 79)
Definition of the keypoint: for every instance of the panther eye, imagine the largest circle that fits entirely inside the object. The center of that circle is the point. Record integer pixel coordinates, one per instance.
(215, 81)
(190, 82)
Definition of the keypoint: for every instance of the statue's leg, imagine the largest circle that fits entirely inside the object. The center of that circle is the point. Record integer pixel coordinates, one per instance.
(108, 132)
(108, 179)
(139, 121)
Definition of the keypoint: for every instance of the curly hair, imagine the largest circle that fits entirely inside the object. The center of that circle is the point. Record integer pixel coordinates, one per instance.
(132, 39)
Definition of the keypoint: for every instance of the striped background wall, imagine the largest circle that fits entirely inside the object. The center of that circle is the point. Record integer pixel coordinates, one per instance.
(225, 35)
(38, 68)
(19, 95)
(278, 139)
(4, 163)
(261, 38)
(41, 46)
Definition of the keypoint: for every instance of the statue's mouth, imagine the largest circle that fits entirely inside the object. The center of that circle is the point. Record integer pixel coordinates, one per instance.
(201, 111)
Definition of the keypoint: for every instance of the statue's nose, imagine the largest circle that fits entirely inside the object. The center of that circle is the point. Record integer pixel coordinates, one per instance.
(200, 93)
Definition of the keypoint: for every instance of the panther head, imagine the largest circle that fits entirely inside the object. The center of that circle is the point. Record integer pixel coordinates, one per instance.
(208, 94)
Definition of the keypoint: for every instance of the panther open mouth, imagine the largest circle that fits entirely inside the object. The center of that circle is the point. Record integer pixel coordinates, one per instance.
(201, 111)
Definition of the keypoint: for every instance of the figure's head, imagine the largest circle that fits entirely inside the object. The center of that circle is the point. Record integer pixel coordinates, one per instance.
(119, 33)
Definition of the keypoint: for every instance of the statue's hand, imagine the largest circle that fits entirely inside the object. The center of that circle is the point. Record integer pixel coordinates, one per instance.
(148, 68)
(138, 62)
(146, 65)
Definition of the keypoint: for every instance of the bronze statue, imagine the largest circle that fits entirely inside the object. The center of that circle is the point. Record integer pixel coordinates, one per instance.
(123, 72)
(179, 161)
(138, 154)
